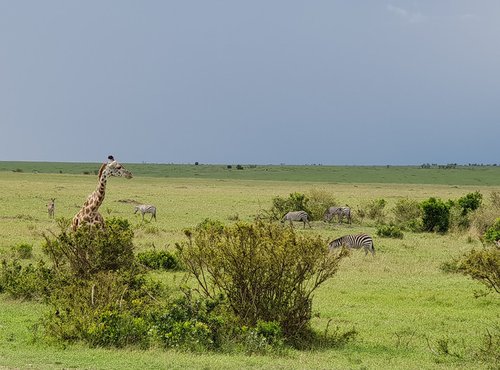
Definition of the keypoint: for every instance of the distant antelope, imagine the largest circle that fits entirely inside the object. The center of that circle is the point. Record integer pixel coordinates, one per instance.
(354, 241)
(51, 207)
(340, 212)
(297, 216)
(146, 208)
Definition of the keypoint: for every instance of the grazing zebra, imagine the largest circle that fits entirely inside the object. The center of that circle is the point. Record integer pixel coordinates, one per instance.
(51, 207)
(297, 216)
(354, 241)
(146, 208)
(340, 212)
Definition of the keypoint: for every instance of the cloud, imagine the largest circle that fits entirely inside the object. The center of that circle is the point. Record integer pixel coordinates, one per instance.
(410, 16)
(417, 17)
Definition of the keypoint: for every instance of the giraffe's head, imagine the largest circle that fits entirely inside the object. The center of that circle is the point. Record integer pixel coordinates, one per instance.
(113, 168)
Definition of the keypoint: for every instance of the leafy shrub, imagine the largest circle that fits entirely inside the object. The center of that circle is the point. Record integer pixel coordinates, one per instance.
(266, 272)
(318, 202)
(375, 209)
(492, 234)
(407, 214)
(191, 323)
(26, 282)
(436, 215)
(470, 202)
(99, 295)
(158, 260)
(294, 202)
(390, 231)
(90, 249)
(482, 265)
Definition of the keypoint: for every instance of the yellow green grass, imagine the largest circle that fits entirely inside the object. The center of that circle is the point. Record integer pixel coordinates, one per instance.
(400, 302)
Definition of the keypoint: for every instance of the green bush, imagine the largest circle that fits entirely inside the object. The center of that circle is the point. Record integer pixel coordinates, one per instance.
(26, 282)
(390, 231)
(266, 272)
(492, 234)
(375, 210)
(158, 260)
(98, 294)
(89, 250)
(294, 202)
(407, 214)
(436, 215)
(190, 323)
(482, 265)
(318, 202)
(470, 202)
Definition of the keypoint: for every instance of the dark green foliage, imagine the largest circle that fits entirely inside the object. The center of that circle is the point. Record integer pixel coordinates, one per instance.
(89, 249)
(267, 272)
(158, 260)
(192, 323)
(492, 234)
(26, 282)
(390, 231)
(470, 202)
(436, 215)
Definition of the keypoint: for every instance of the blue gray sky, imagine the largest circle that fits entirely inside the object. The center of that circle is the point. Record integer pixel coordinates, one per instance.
(253, 82)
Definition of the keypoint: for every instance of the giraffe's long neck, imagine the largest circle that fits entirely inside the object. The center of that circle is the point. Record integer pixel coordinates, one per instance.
(95, 199)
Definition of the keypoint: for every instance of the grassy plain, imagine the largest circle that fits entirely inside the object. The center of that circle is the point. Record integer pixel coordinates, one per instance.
(403, 306)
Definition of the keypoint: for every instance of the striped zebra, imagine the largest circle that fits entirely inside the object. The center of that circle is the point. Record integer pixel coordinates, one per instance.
(297, 216)
(338, 211)
(146, 208)
(354, 241)
(51, 207)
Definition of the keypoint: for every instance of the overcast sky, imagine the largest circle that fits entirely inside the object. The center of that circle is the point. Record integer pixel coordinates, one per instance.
(251, 82)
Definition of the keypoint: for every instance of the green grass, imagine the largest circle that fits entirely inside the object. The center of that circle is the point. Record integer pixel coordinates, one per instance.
(462, 175)
(400, 302)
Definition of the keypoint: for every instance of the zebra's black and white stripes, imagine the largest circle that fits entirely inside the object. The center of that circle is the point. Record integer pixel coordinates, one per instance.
(146, 208)
(338, 211)
(357, 241)
(297, 216)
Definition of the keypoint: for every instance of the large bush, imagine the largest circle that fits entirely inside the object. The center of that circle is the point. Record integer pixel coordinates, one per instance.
(436, 215)
(98, 293)
(266, 272)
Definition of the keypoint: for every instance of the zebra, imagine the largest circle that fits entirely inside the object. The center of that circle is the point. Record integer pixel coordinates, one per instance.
(354, 241)
(51, 207)
(340, 212)
(146, 208)
(297, 216)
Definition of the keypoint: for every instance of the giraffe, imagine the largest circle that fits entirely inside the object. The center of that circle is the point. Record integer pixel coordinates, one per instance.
(51, 207)
(89, 212)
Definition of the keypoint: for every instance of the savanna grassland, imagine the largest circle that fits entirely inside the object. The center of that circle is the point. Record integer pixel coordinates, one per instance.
(408, 313)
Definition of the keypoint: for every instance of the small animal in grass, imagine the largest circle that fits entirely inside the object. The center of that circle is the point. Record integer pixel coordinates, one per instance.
(297, 216)
(51, 207)
(146, 208)
(357, 241)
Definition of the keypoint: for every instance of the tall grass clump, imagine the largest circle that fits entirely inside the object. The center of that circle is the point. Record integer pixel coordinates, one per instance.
(266, 272)
(408, 214)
